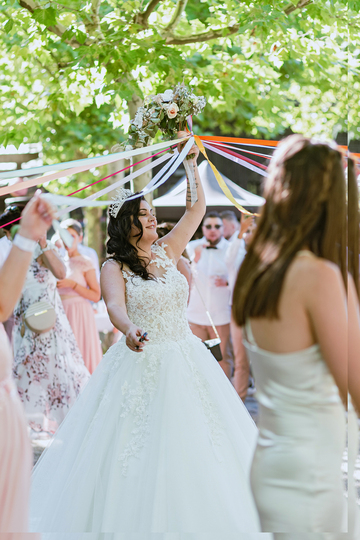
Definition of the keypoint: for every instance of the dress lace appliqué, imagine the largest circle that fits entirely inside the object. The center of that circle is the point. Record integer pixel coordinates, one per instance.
(158, 307)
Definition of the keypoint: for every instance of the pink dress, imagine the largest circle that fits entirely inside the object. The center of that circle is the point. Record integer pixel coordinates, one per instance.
(80, 312)
(15, 449)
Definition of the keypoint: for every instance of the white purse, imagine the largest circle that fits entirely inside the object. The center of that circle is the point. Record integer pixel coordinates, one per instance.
(40, 317)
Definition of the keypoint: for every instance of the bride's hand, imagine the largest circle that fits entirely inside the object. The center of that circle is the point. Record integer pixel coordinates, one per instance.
(193, 153)
(132, 338)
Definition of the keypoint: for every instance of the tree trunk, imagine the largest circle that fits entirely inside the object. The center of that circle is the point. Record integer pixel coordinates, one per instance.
(141, 181)
(93, 234)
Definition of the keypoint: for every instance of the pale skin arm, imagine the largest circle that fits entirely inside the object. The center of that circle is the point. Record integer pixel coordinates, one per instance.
(184, 268)
(113, 291)
(354, 344)
(91, 292)
(52, 261)
(36, 220)
(177, 239)
(326, 306)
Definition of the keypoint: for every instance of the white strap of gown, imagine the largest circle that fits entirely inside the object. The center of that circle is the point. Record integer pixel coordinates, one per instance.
(249, 334)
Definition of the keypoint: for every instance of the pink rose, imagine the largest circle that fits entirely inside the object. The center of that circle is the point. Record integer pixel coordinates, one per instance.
(172, 111)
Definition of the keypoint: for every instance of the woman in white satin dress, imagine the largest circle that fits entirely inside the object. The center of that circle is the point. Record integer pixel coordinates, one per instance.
(290, 297)
(354, 346)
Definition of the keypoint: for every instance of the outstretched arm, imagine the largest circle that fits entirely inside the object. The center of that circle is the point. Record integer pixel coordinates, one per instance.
(178, 238)
(113, 291)
(35, 221)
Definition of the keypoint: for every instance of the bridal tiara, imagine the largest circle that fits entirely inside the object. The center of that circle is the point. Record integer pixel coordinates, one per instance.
(121, 195)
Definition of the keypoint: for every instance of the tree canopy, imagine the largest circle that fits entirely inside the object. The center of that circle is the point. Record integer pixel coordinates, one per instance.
(70, 70)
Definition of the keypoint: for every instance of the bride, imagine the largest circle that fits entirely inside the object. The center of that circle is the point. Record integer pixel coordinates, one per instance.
(158, 441)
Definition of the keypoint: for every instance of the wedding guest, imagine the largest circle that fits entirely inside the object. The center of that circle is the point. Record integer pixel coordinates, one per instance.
(290, 296)
(234, 257)
(353, 225)
(83, 250)
(48, 367)
(210, 284)
(183, 264)
(231, 225)
(11, 213)
(15, 449)
(79, 286)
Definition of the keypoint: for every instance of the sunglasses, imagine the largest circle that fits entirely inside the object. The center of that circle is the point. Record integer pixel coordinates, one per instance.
(212, 227)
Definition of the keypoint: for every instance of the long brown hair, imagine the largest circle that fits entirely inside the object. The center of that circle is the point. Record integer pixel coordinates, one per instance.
(353, 225)
(305, 206)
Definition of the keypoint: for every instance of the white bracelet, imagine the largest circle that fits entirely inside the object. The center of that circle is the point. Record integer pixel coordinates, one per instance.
(25, 244)
(49, 246)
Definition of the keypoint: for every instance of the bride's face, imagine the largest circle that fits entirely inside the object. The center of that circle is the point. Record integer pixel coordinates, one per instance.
(148, 222)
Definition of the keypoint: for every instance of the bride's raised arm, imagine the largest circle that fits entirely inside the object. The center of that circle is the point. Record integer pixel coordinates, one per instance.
(177, 239)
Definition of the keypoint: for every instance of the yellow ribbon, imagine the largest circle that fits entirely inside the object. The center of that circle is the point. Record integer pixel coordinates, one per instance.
(220, 180)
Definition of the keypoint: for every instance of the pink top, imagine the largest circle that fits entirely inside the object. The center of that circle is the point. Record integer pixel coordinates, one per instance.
(76, 268)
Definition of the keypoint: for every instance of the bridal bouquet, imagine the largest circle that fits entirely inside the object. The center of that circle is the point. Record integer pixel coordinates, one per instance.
(167, 112)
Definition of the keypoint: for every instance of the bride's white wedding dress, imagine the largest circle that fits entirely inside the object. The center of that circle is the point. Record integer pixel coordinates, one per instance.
(158, 441)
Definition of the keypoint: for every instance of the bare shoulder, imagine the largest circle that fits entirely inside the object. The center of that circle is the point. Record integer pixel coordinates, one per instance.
(315, 275)
(112, 282)
(111, 268)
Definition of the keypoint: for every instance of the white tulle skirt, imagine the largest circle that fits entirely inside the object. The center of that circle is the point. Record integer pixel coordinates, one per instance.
(158, 442)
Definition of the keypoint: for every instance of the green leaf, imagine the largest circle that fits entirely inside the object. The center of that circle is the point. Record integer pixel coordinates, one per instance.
(197, 10)
(47, 17)
(8, 26)
(81, 37)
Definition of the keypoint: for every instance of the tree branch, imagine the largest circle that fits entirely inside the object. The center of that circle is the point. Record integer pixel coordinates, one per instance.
(94, 27)
(215, 34)
(204, 36)
(58, 29)
(175, 19)
(142, 18)
(300, 5)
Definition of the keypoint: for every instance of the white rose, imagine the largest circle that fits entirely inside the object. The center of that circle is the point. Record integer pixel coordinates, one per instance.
(172, 110)
(168, 95)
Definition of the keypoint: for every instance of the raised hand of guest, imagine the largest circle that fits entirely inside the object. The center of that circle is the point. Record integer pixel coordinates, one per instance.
(36, 218)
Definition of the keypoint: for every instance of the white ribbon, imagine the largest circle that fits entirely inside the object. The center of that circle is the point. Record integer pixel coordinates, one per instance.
(73, 202)
(179, 158)
(92, 162)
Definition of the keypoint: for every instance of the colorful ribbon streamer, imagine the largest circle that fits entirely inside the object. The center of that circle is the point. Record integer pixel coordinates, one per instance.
(219, 178)
(73, 167)
(240, 160)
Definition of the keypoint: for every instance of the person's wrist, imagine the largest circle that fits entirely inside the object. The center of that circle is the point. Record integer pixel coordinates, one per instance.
(27, 233)
(128, 329)
(48, 246)
(25, 244)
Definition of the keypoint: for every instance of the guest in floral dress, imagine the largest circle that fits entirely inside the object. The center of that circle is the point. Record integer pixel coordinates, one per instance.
(48, 367)
(80, 286)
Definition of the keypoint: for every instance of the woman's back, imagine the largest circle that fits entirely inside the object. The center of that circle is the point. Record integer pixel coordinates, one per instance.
(295, 477)
(293, 330)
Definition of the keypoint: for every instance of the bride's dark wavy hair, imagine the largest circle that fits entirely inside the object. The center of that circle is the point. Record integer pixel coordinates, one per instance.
(118, 247)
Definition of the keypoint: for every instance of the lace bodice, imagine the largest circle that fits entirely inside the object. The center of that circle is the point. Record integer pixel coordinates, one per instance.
(158, 306)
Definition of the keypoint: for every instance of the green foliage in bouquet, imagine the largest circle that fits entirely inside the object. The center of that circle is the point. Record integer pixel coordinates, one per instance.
(166, 112)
